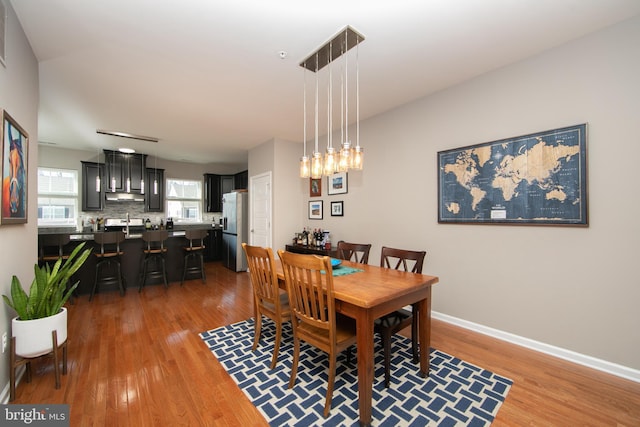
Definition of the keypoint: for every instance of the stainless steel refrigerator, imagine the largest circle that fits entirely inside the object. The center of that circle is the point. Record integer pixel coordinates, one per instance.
(234, 230)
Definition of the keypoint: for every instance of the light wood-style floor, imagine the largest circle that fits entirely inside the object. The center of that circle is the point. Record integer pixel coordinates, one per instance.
(137, 360)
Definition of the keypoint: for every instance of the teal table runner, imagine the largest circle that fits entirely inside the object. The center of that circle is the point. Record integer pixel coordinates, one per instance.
(343, 270)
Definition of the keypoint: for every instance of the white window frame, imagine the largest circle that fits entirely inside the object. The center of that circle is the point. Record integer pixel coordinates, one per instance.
(178, 201)
(58, 198)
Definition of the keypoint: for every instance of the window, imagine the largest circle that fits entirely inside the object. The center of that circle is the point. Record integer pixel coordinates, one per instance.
(184, 199)
(57, 197)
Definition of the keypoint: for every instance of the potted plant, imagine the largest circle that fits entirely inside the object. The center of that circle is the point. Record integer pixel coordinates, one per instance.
(41, 311)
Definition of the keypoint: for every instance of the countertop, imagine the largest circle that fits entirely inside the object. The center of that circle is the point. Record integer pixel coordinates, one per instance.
(178, 231)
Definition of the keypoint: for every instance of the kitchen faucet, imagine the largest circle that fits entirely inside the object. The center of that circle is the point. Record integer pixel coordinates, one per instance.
(126, 233)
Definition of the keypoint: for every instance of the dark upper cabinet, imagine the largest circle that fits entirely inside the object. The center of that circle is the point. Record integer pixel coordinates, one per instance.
(213, 192)
(217, 185)
(241, 180)
(120, 166)
(92, 189)
(154, 200)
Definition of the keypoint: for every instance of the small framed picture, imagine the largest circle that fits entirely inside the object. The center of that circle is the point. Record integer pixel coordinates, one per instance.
(315, 209)
(337, 183)
(337, 208)
(315, 187)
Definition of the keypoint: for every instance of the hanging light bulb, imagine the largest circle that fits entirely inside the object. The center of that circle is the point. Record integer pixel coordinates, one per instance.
(305, 170)
(113, 173)
(330, 160)
(155, 174)
(345, 151)
(142, 174)
(128, 188)
(98, 182)
(316, 159)
(357, 155)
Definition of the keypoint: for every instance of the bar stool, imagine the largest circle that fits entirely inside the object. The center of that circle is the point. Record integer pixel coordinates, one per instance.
(109, 242)
(195, 250)
(154, 250)
(51, 248)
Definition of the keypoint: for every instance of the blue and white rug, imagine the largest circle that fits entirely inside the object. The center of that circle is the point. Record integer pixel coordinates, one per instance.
(456, 393)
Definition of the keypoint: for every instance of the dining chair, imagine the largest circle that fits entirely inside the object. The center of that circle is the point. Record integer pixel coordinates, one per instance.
(356, 252)
(392, 323)
(309, 280)
(268, 299)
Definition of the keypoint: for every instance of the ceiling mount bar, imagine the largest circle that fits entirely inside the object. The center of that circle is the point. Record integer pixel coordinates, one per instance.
(344, 40)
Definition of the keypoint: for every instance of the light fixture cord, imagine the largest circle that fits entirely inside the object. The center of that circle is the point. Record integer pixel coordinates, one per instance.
(357, 92)
(346, 86)
(316, 140)
(304, 109)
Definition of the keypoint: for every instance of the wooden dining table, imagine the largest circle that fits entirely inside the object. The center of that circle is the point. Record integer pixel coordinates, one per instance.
(369, 294)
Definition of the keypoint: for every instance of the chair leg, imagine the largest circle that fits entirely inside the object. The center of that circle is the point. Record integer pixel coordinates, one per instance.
(184, 270)
(276, 348)
(330, 383)
(143, 277)
(296, 358)
(204, 277)
(120, 278)
(164, 272)
(257, 331)
(95, 282)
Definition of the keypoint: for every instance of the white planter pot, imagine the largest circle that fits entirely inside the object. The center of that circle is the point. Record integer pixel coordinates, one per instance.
(33, 337)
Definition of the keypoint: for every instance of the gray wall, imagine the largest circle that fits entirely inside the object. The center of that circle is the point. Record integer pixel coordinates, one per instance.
(19, 96)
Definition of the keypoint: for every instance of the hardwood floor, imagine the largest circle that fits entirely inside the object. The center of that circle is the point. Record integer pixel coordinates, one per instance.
(137, 360)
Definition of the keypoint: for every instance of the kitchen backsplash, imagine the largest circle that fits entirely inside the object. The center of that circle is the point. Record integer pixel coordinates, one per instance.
(119, 209)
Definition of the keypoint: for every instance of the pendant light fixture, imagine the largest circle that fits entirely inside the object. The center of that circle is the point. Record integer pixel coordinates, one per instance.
(142, 172)
(305, 170)
(347, 156)
(155, 174)
(98, 179)
(316, 159)
(113, 172)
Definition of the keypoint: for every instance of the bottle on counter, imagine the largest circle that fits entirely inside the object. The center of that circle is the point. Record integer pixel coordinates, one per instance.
(147, 224)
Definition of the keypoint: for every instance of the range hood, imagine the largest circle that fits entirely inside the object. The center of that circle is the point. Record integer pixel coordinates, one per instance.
(124, 197)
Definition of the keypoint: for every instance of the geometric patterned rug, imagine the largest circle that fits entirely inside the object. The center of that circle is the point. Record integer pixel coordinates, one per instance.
(456, 393)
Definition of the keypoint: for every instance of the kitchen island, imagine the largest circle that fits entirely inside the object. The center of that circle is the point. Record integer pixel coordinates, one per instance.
(131, 261)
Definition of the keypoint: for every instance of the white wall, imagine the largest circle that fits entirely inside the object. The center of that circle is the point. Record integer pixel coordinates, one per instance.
(574, 288)
(19, 97)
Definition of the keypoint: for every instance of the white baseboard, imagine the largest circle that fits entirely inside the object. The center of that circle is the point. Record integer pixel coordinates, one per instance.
(571, 356)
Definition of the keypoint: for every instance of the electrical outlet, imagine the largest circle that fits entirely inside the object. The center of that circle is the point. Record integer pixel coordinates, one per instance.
(4, 342)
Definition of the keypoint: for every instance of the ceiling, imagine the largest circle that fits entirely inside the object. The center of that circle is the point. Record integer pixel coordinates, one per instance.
(207, 79)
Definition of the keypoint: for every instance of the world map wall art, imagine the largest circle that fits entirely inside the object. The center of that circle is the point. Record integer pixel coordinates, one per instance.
(539, 178)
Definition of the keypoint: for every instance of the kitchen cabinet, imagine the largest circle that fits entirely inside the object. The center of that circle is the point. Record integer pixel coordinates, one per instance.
(120, 166)
(92, 196)
(214, 187)
(241, 180)
(154, 201)
(212, 192)
(214, 245)
(217, 185)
